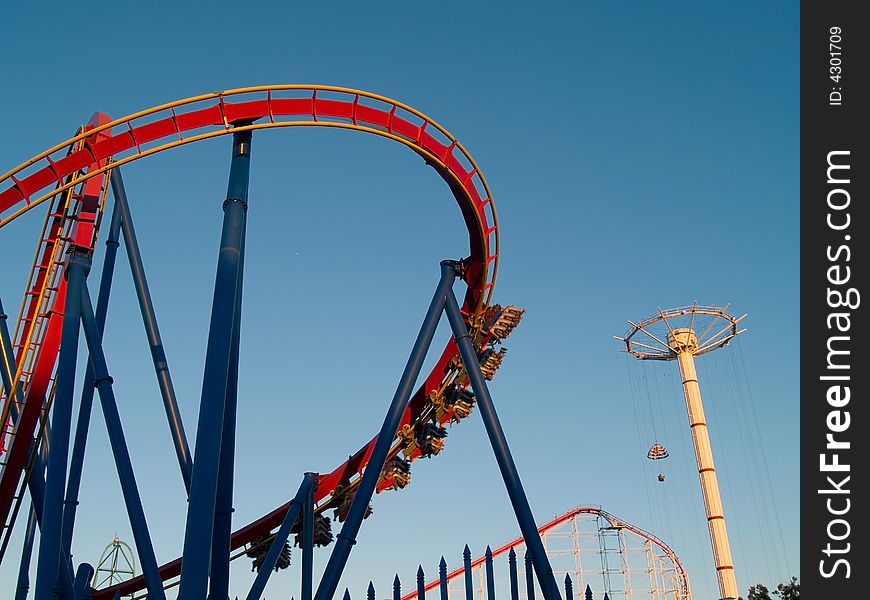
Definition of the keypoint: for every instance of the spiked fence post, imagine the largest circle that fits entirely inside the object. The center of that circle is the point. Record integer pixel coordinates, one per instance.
(397, 588)
(510, 475)
(421, 583)
(466, 567)
(512, 567)
(569, 588)
(490, 576)
(530, 576)
(370, 592)
(346, 538)
(47, 568)
(588, 592)
(199, 528)
(442, 578)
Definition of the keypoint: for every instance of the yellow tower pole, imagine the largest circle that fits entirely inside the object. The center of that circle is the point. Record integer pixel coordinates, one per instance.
(684, 343)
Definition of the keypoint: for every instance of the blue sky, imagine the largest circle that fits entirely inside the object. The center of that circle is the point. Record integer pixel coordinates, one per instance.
(639, 154)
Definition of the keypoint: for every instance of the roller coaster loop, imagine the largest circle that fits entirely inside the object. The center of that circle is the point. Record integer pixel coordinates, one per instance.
(39, 359)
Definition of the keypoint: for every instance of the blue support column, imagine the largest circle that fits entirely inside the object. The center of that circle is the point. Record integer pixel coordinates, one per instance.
(84, 574)
(497, 439)
(219, 583)
(152, 331)
(49, 556)
(308, 543)
(512, 567)
(87, 398)
(271, 557)
(199, 529)
(466, 563)
(124, 465)
(27, 550)
(347, 536)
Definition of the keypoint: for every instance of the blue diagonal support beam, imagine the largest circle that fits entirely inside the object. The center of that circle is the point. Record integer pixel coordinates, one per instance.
(498, 441)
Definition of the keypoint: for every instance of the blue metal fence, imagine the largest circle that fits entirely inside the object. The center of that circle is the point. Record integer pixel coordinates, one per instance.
(488, 590)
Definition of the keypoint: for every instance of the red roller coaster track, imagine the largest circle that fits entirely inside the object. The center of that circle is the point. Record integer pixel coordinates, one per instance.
(554, 523)
(88, 157)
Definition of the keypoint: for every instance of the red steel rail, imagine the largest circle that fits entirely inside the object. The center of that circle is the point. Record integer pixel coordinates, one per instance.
(555, 522)
(43, 345)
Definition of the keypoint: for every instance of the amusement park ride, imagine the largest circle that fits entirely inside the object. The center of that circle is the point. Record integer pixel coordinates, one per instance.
(671, 335)
(71, 181)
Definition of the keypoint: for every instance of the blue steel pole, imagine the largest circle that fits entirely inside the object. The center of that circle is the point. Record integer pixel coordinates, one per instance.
(219, 582)
(199, 529)
(490, 575)
(87, 399)
(24, 568)
(347, 536)
(83, 578)
(271, 557)
(442, 578)
(152, 331)
(421, 583)
(512, 567)
(525, 519)
(123, 464)
(308, 543)
(466, 564)
(530, 576)
(49, 556)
